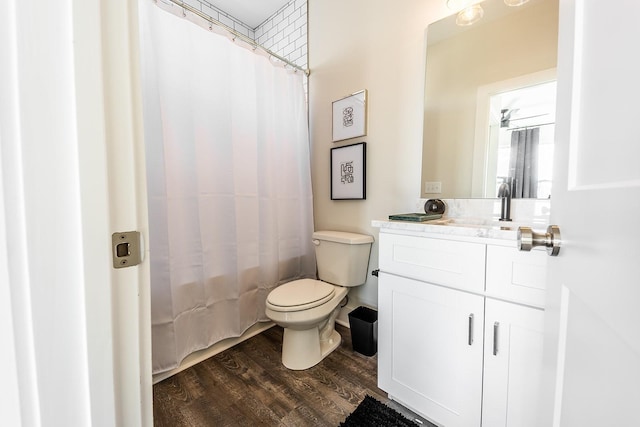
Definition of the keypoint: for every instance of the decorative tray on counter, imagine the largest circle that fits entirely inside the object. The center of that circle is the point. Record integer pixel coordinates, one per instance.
(415, 217)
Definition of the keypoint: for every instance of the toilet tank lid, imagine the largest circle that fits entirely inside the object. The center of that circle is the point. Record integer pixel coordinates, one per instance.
(343, 237)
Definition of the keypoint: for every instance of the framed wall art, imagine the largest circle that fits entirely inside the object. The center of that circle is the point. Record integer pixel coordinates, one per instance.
(348, 172)
(350, 116)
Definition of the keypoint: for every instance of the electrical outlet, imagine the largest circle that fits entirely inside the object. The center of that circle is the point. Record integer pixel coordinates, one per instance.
(433, 187)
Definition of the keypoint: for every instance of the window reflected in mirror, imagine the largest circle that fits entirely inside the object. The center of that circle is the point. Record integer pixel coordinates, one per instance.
(522, 123)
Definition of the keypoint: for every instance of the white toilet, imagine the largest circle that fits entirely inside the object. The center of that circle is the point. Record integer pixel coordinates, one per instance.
(307, 308)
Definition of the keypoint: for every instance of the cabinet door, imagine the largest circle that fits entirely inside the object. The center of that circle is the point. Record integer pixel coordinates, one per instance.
(512, 364)
(430, 349)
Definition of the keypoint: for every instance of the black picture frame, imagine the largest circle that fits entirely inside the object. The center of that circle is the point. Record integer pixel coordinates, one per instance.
(349, 172)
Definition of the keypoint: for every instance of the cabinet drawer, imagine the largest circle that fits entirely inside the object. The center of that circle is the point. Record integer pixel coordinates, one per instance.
(515, 275)
(444, 262)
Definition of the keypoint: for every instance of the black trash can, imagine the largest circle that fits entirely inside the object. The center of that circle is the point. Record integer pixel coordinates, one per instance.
(363, 322)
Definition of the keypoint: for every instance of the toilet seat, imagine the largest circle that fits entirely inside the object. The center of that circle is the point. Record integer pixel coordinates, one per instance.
(300, 295)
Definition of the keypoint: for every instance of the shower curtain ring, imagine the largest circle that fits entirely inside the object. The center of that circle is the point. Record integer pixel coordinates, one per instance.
(184, 12)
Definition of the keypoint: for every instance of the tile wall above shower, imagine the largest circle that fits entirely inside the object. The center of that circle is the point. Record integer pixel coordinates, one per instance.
(284, 33)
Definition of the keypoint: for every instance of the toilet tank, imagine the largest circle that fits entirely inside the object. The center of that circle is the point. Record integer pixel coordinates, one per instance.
(342, 257)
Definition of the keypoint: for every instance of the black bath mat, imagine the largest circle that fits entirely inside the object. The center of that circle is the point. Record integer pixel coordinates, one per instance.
(371, 412)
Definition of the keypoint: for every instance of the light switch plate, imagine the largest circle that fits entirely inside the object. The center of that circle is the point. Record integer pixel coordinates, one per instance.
(433, 187)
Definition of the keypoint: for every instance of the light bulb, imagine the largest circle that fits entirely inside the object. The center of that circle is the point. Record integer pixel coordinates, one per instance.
(469, 15)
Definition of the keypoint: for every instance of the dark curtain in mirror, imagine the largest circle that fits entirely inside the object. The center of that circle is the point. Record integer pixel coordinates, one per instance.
(523, 165)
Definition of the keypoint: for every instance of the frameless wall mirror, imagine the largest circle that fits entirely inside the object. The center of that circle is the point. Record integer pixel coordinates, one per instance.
(490, 102)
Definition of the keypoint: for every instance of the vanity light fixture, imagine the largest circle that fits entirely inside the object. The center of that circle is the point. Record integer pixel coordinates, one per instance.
(515, 2)
(469, 15)
(469, 11)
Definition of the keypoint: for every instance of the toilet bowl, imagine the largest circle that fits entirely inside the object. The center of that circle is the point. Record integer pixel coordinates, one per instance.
(307, 308)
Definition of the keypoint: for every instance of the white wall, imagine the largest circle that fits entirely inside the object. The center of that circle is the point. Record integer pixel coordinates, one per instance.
(376, 45)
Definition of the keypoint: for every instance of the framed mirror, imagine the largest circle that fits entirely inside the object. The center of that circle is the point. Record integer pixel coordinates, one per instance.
(505, 61)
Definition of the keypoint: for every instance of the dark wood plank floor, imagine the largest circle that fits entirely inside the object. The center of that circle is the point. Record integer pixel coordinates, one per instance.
(247, 385)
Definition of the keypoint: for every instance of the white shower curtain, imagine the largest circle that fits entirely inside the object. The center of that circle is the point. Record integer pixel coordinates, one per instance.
(230, 203)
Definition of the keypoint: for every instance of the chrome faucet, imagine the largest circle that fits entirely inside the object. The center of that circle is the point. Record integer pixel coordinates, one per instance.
(504, 192)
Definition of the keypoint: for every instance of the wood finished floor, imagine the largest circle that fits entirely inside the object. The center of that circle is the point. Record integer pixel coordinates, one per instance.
(248, 386)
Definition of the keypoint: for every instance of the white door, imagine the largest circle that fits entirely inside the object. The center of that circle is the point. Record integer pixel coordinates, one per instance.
(75, 333)
(593, 308)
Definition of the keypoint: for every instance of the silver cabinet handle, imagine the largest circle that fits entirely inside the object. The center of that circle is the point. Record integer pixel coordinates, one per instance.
(471, 329)
(528, 239)
(496, 327)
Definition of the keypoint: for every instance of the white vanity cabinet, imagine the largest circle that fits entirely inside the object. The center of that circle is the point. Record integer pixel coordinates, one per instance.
(445, 306)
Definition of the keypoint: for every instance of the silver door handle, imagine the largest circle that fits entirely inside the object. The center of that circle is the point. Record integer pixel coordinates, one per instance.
(496, 327)
(528, 239)
(471, 329)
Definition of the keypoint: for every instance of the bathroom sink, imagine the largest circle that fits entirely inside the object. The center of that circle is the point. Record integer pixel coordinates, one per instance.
(479, 223)
(465, 222)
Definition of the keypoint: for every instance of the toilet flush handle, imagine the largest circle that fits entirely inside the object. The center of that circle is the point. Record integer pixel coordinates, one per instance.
(316, 242)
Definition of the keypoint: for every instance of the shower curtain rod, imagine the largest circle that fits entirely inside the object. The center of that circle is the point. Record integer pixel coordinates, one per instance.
(237, 35)
(532, 126)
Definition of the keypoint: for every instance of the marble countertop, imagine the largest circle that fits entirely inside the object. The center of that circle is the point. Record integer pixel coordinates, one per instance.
(461, 227)
(473, 219)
